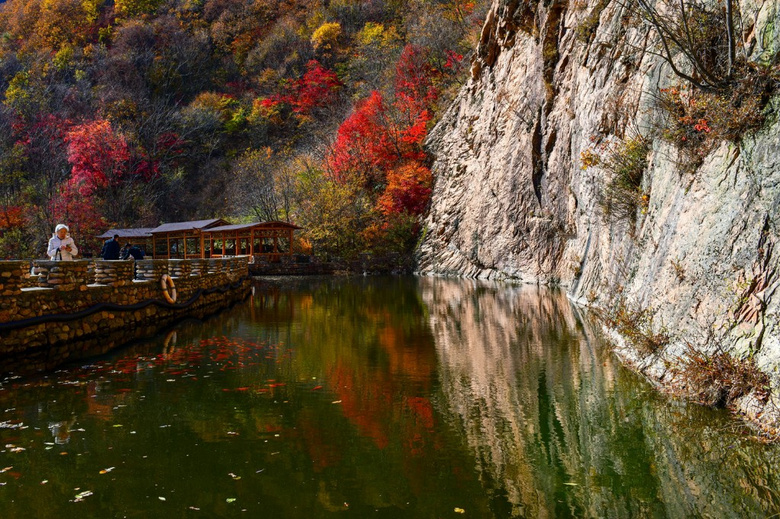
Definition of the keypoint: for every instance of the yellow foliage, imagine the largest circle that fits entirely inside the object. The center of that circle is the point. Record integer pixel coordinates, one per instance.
(18, 92)
(129, 8)
(60, 22)
(371, 33)
(91, 9)
(63, 57)
(213, 101)
(326, 35)
(377, 34)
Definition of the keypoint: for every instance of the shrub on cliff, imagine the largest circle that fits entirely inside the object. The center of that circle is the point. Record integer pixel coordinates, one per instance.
(624, 164)
(636, 326)
(724, 93)
(718, 379)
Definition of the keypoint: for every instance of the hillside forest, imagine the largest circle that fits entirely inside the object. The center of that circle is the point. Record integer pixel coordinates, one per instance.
(131, 113)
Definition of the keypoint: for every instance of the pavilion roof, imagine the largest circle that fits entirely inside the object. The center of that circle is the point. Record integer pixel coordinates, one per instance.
(141, 232)
(256, 225)
(195, 225)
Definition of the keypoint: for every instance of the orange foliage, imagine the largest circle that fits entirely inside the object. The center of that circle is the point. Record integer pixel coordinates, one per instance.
(11, 216)
(408, 190)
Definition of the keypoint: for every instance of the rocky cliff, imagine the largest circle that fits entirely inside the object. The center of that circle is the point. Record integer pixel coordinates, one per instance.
(512, 199)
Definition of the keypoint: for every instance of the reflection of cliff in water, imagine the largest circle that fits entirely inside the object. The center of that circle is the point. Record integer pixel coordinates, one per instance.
(559, 429)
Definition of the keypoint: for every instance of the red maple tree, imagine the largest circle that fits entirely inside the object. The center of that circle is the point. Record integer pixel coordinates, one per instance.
(98, 155)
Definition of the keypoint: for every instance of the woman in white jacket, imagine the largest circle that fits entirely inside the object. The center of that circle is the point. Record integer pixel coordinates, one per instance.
(61, 245)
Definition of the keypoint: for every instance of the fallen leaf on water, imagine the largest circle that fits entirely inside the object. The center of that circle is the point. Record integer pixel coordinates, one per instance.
(336, 402)
(572, 484)
(459, 510)
(106, 471)
(81, 495)
(234, 476)
(161, 498)
(117, 425)
(44, 481)
(315, 388)
(230, 499)
(6, 469)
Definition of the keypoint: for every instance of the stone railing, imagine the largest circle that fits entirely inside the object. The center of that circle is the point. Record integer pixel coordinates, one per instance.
(49, 309)
(76, 275)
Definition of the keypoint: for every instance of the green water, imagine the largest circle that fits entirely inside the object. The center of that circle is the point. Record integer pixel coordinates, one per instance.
(373, 397)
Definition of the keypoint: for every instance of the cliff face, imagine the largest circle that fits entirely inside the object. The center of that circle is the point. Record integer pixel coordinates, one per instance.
(512, 200)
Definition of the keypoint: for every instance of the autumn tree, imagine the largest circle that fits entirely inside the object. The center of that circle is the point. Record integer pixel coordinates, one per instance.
(326, 36)
(333, 212)
(264, 183)
(101, 171)
(365, 146)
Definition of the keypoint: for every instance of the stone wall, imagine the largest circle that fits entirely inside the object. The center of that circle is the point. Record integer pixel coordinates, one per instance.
(301, 265)
(55, 311)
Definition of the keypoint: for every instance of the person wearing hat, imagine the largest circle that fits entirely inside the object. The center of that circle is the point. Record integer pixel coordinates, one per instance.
(61, 245)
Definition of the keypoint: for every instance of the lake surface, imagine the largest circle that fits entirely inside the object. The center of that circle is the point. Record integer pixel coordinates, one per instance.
(373, 397)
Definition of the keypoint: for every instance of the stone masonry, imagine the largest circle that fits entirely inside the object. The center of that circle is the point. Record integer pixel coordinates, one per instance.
(55, 311)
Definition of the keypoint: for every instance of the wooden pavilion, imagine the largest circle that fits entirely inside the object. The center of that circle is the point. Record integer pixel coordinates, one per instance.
(182, 240)
(269, 239)
(218, 238)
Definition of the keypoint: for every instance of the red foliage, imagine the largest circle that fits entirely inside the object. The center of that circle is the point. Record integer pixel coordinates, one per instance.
(147, 169)
(169, 147)
(271, 102)
(317, 88)
(415, 93)
(364, 145)
(99, 156)
(380, 146)
(454, 60)
(38, 137)
(83, 218)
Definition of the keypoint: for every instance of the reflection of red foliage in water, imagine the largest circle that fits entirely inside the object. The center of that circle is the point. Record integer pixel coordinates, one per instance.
(366, 404)
(423, 411)
(323, 444)
(421, 425)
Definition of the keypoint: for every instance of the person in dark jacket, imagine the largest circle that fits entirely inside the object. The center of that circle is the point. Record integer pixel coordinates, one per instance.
(111, 249)
(132, 250)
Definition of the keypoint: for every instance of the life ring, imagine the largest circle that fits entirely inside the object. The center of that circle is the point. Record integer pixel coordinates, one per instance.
(168, 288)
(170, 339)
(169, 345)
